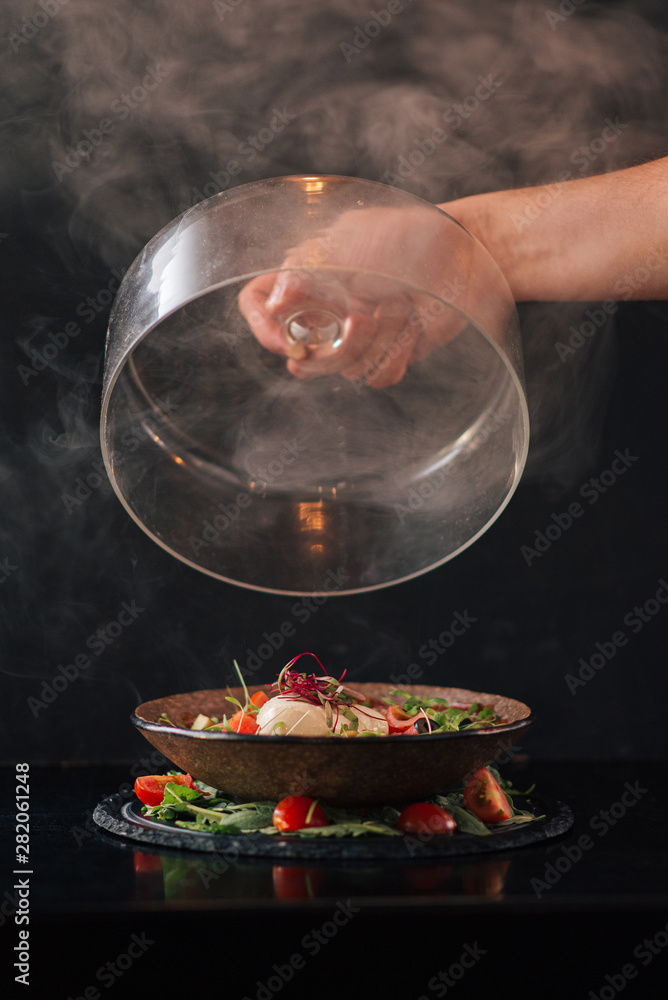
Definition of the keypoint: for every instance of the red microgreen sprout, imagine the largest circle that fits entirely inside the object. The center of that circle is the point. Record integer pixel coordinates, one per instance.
(324, 690)
(308, 687)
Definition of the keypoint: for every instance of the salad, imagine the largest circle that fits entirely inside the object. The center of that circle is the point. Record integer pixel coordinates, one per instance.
(485, 803)
(303, 704)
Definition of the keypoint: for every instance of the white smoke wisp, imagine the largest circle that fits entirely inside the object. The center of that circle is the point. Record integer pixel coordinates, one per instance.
(119, 116)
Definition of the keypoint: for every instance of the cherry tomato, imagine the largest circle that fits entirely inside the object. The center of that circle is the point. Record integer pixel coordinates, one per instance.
(297, 812)
(398, 720)
(484, 796)
(259, 699)
(426, 817)
(241, 722)
(150, 788)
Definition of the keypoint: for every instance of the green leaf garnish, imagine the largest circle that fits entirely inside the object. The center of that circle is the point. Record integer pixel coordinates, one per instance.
(243, 684)
(190, 809)
(235, 701)
(165, 719)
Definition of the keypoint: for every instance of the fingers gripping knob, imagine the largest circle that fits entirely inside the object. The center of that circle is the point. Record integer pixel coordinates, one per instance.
(313, 329)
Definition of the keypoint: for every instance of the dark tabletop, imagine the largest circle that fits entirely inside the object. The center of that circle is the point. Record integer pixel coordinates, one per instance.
(572, 910)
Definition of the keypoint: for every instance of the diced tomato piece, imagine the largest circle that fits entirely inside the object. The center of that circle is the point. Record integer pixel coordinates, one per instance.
(150, 788)
(297, 812)
(259, 699)
(242, 722)
(484, 796)
(398, 720)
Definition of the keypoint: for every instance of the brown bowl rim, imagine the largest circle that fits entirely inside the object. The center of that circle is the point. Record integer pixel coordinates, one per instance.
(156, 727)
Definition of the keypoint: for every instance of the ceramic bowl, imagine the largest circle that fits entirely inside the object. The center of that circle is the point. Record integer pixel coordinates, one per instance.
(337, 771)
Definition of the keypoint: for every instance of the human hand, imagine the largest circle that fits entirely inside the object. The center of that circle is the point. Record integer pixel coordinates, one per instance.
(363, 324)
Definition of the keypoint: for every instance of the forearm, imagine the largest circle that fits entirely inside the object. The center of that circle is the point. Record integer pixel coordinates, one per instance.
(603, 237)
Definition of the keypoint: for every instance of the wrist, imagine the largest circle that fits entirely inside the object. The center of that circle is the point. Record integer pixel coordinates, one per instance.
(577, 240)
(502, 222)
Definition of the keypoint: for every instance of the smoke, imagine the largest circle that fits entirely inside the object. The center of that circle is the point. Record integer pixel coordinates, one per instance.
(117, 117)
(123, 112)
(120, 116)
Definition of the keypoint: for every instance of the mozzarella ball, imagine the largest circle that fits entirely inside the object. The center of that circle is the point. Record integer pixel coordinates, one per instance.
(296, 718)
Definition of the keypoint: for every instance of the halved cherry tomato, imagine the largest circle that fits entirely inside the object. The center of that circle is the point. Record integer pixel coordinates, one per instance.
(259, 699)
(398, 720)
(242, 722)
(150, 788)
(297, 812)
(484, 796)
(426, 817)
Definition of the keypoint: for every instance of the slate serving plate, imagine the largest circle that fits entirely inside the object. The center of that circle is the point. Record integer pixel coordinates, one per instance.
(128, 823)
(362, 771)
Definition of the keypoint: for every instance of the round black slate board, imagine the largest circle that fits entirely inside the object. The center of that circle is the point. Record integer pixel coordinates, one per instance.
(127, 821)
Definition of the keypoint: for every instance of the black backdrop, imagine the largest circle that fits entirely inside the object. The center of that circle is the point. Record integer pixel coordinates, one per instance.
(71, 556)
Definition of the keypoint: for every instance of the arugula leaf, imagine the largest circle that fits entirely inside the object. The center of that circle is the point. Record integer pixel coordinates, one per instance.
(260, 804)
(348, 829)
(214, 793)
(179, 793)
(389, 815)
(519, 817)
(467, 822)
(245, 822)
(191, 809)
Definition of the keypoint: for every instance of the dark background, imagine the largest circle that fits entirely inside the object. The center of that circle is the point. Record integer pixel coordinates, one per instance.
(69, 567)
